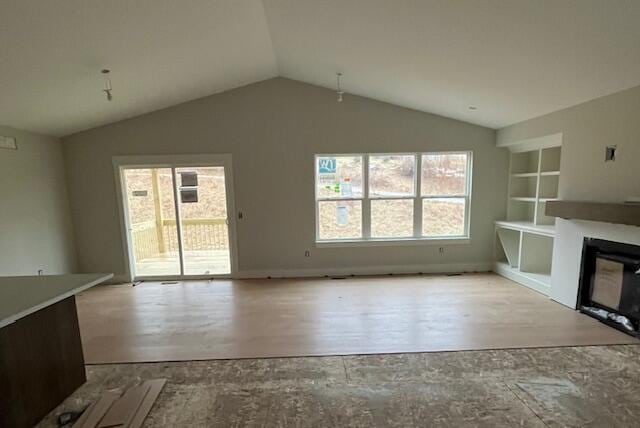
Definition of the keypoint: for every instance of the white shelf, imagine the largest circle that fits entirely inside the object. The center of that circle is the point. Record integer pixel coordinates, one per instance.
(509, 240)
(531, 199)
(527, 226)
(536, 281)
(524, 242)
(523, 199)
(525, 174)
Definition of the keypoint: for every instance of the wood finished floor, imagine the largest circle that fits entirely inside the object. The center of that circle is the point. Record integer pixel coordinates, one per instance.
(227, 319)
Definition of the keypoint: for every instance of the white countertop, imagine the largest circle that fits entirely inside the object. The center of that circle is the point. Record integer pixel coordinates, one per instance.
(23, 295)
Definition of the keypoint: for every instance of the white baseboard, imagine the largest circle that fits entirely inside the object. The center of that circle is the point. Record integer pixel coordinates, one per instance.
(363, 270)
(366, 270)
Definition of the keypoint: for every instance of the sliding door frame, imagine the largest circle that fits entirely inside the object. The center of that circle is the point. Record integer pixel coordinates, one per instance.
(122, 163)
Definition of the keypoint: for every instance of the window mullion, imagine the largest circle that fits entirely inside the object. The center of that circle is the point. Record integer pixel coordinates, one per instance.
(366, 202)
(417, 202)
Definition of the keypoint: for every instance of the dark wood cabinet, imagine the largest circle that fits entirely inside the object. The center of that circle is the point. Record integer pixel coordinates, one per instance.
(41, 363)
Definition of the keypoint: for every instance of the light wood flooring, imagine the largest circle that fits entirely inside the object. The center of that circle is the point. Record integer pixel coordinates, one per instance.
(311, 317)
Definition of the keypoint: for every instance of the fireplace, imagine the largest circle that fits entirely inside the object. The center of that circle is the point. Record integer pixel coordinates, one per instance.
(609, 288)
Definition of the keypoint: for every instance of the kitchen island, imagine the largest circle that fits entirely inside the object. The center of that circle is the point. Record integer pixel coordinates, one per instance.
(41, 359)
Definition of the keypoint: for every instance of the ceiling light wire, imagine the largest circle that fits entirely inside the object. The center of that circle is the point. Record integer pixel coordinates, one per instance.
(107, 84)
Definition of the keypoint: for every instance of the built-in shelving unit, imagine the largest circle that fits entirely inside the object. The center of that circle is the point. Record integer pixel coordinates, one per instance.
(524, 241)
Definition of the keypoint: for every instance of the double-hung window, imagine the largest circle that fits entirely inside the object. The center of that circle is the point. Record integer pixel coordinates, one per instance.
(392, 196)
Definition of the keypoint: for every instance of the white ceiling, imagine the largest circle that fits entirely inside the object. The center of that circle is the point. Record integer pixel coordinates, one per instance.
(513, 59)
(161, 53)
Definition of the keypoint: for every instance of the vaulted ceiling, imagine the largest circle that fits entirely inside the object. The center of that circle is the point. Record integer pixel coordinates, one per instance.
(511, 59)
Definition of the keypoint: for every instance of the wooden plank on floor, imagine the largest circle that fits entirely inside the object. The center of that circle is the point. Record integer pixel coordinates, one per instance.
(98, 410)
(123, 410)
(155, 387)
(85, 415)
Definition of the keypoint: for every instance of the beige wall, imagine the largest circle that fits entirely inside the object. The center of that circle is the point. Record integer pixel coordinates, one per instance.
(273, 129)
(587, 129)
(35, 225)
(584, 175)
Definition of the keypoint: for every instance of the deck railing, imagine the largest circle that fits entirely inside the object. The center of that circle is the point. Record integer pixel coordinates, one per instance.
(197, 234)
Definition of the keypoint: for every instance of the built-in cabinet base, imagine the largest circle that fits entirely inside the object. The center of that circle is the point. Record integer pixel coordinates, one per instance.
(536, 281)
(41, 363)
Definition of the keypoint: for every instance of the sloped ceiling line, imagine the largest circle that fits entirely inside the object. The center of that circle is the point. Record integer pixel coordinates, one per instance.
(511, 59)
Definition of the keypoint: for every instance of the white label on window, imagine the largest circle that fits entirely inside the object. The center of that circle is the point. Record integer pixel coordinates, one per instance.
(342, 215)
(345, 188)
(327, 179)
(327, 166)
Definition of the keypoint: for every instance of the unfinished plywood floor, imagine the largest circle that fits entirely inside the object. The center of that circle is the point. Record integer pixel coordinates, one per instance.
(200, 320)
(537, 388)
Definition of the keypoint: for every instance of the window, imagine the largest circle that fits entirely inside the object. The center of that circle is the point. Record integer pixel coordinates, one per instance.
(339, 195)
(395, 196)
(445, 192)
(392, 189)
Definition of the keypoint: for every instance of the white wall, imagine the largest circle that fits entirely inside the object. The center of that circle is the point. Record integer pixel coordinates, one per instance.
(273, 129)
(35, 223)
(587, 129)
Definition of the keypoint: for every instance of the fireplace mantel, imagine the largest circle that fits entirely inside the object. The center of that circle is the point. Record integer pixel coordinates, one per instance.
(628, 214)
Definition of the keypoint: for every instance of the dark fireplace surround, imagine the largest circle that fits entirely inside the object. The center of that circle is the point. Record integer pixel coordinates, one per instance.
(609, 288)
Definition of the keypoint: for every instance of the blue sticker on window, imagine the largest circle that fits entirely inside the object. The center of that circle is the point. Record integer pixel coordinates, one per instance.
(327, 166)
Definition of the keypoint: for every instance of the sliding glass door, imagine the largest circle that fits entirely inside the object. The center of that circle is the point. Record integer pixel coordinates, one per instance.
(203, 219)
(151, 206)
(177, 222)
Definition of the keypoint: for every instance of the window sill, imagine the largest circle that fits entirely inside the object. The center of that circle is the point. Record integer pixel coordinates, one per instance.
(460, 240)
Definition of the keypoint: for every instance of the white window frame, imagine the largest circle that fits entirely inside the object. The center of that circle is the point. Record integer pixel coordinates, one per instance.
(365, 199)
(365, 179)
(414, 198)
(466, 196)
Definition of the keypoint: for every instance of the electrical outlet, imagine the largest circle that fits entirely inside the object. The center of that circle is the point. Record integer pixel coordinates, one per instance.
(307, 253)
(610, 154)
(40, 272)
(441, 250)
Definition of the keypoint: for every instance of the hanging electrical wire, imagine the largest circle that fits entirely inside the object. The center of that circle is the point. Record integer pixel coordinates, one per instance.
(107, 84)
